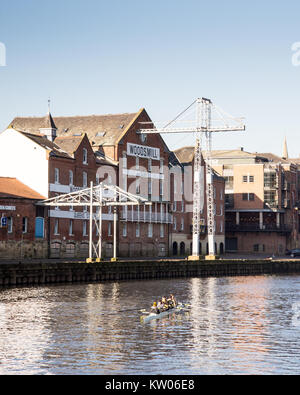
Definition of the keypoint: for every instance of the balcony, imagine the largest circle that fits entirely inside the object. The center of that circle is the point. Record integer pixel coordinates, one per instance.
(135, 216)
(256, 228)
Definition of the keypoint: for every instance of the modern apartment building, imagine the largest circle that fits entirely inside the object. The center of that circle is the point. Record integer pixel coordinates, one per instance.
(261, 201)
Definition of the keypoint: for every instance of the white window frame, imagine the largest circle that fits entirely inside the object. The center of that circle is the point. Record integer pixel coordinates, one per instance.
(124, 229)
(150, 230)
(84, 179)
(84, 228)
(56, 227)
(162, 231)
(56, 175)
(71, 178)
(85, 156)
(10, 225)
(71, 223)
(24, 225)
(138, 230)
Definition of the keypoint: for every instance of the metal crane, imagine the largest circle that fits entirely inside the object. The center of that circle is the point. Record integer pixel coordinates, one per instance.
(202, 125)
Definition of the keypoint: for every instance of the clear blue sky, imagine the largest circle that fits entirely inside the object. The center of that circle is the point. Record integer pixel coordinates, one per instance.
(97, 57)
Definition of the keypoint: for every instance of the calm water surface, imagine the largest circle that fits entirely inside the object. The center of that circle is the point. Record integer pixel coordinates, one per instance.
(246, 325)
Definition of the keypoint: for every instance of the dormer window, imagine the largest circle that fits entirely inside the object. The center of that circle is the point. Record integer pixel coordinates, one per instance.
(85, 156)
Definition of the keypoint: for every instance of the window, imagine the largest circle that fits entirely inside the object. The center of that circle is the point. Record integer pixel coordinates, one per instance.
(24, 225)
(174, 223)
(149, 186)
(124, 160)
(182, 206)
(161, 167)
(138, 187)
(175, 206)
(9, 225)
(161, 188)
(150, 230)
(248, 197)
(162, 231)
(56, 227)
(109, 231)
(85, 156)
(84, 180)
(71, 178)
(56, 176)
(71, 228)
(138, 230)
(248, 178)
(182, 224)
(124, 230)
(84, 228)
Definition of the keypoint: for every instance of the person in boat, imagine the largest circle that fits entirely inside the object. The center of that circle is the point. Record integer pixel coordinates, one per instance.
(160, 306)
(155, 308)
(165, 304)
(173, 300)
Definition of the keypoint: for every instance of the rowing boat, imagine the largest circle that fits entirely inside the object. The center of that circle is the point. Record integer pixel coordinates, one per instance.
(153, 316)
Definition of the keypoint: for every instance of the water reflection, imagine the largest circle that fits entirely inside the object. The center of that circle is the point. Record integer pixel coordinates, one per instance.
(234, 325)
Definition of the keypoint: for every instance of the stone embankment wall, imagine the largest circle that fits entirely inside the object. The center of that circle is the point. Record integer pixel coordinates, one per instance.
(39, 273)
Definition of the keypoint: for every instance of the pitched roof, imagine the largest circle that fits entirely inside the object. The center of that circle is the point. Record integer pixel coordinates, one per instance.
(272, 157)
(47, 144)
(69, 143)
(100, 129)
(11, 187)
(186, 154)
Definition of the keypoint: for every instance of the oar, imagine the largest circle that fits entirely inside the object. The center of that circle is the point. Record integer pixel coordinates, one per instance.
(204, 308)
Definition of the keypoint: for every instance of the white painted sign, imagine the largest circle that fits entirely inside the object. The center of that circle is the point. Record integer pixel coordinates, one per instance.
(8, 208)
(142, 151)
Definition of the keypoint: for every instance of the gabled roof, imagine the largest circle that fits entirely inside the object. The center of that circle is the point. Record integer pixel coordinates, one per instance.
(100, 129)
(69, 144)
(185, 154)
(11, 187)
(47, 145)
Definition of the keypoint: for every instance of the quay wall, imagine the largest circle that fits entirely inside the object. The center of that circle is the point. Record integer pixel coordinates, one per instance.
(40, 273)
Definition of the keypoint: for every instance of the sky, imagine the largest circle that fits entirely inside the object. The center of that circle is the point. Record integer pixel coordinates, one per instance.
(117, 56)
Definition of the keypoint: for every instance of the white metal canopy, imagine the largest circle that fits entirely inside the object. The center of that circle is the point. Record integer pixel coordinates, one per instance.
(97, 197)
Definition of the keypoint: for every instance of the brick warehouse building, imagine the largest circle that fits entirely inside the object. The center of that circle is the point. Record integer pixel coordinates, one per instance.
(21, 221)
(185, 157)
(67, 153)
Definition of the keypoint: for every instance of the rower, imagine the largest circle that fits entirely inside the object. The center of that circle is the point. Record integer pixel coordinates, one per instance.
(174, 301)
(155, 308)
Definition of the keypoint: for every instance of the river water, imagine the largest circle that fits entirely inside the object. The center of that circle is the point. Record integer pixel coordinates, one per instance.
(240, 325)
